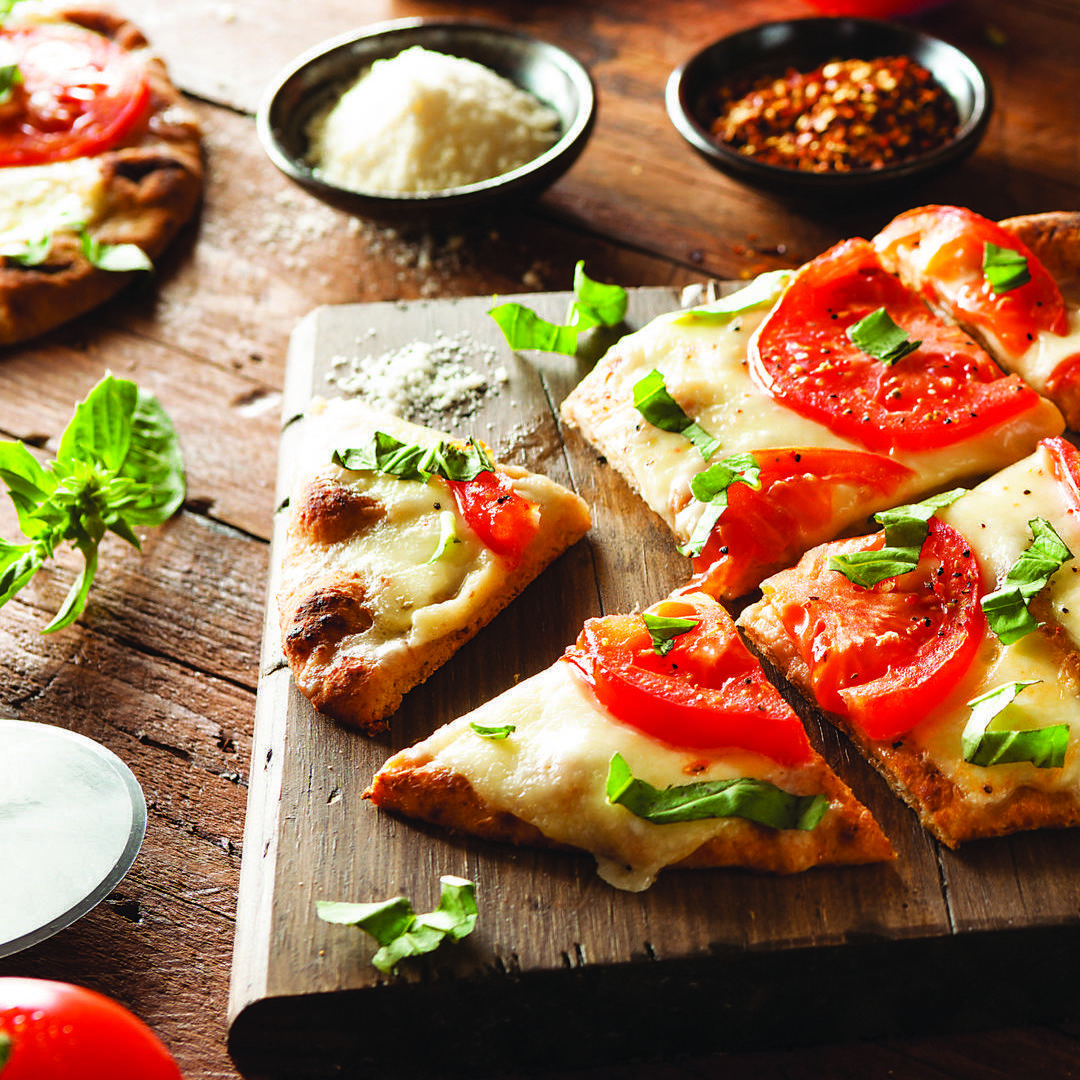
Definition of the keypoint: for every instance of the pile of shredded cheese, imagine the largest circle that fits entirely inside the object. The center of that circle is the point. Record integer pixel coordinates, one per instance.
(423, 121)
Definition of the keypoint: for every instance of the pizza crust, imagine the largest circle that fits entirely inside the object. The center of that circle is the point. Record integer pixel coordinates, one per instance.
(152, 186)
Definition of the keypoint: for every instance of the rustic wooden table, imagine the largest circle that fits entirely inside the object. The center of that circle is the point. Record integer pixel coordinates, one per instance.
(162, 667)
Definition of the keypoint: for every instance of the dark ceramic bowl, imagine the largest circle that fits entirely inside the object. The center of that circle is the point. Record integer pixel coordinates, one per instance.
(313, 80)
(803, 44)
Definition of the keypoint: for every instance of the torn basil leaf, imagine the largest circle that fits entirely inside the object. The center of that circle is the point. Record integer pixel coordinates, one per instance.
(906, 530)
(30, 252)
(593, 304)
(763, 291)
(494, 732)
(744, 797)
(711, 487)
(410, 461)
(10, 77)
(878, 336)
(652, 400)
(664, 631)
(1043, 747)
(1004, 269)
(402, 933)
(115, 258)
(1006, 609)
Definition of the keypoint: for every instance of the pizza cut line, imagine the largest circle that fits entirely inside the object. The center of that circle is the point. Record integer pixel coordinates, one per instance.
(99, 154)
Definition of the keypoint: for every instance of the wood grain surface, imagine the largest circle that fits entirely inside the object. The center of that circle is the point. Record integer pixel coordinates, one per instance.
(162, 667)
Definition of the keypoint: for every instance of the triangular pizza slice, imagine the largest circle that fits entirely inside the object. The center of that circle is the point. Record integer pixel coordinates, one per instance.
(654, 741)
(787, 413)
(1012, 284)
(402, 543)
(948, 647)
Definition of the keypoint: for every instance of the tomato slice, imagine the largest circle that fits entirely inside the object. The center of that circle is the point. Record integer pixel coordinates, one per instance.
(707, 693)
(883, 657)
(1065, 462)
(769, 527)
(80, 94)
(939, 250)
(946, 391)
(505, 521)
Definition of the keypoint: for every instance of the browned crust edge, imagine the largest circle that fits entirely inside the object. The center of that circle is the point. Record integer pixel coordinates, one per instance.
(935, 798)
(152, 186)
(413, 785)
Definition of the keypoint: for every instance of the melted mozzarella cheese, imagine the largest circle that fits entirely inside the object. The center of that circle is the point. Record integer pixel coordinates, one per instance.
(38, 200)
(1041, 360)
(705, 369)
(551, 772)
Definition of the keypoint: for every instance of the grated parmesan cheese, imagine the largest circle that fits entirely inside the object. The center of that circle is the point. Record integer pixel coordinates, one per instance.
(423, 121)
(422, 380)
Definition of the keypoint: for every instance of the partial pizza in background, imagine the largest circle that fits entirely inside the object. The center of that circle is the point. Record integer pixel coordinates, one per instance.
(100, 162)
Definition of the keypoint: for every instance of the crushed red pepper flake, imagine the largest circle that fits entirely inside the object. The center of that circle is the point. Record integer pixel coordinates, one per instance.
(844, 115)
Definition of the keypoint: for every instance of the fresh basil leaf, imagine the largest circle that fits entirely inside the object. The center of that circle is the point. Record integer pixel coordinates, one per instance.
(652, 400)
(711, 487)
(10, 77)
(100, 430)
(878, 336)
(18, 564)
(30, 252)
(1006, 609)
(524, 329)
(1043, 747)
(906, 530)
(1004, 269)
(595, 304)
(763, 291)
(115, 258)
(410, 461)
(447, 535)
(400, 931)
(745, 797)
(155, 460)
(496, 733)
(664, 631)
(75, 600)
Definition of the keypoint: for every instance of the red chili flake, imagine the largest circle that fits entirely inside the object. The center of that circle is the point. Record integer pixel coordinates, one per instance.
(844, 115)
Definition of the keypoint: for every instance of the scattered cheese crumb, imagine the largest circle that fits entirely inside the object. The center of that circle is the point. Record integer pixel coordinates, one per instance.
(423, 121)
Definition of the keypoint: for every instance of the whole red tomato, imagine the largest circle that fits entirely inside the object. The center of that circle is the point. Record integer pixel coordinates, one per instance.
(55, 1031)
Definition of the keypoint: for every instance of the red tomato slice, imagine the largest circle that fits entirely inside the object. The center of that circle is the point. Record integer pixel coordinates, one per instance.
(80, 95)
(769, 527)
(505, 521)
(707, 693)
(883, 657)
(945, 392)
(1065, 462)
(60, 1032)
(939, 250)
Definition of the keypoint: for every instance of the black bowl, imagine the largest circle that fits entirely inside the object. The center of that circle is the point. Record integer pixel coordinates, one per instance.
(319, 75)
(803, 44)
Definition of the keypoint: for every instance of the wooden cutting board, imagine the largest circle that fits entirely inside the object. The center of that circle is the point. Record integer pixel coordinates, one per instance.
(564, 971)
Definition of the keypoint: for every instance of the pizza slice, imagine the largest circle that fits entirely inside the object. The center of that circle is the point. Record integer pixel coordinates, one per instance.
(654, 741)
(100, 161)
(401, 544)
(791, 411)
(1003, 284)
(948, 647)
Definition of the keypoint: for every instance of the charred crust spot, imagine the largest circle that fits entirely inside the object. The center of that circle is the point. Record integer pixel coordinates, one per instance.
(326, 615)
(329, 512)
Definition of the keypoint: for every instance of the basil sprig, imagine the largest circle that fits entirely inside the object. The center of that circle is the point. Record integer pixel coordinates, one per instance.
(410, 461)
(878, 336)
(1004, 269)
(652, 400)
(711, 487)
(744, 797)
(118, 465)
(1043, 747)
(593, 304)
(906, 530)
(761, 292)
(664, 630)
(402, 933)
(10, 77)
(495, 732)
(1007, 609)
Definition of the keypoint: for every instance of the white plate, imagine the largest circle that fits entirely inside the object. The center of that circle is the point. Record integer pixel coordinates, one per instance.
(72, 819)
